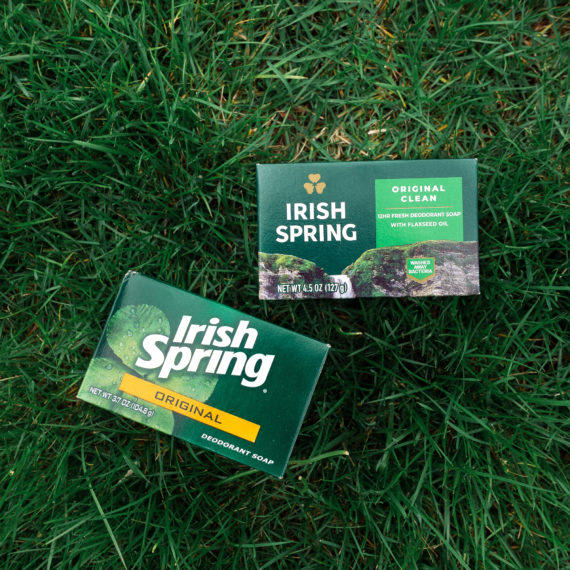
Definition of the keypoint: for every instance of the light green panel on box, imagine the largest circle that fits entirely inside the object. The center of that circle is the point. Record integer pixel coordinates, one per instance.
(410, 210)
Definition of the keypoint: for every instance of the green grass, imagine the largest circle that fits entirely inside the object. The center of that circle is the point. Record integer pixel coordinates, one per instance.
(129, 132)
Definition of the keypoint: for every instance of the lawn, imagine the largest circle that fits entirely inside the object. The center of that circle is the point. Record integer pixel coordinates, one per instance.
(438, 434)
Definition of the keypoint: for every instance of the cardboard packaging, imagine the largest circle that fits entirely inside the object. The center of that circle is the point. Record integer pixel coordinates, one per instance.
(206, 373)
(368, 229)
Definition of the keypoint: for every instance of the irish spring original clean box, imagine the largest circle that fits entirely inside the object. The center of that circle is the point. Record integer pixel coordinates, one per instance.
(206, 373)
(368, 229)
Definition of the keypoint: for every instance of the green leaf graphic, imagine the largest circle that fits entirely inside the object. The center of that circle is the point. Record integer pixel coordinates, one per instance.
(129, 326)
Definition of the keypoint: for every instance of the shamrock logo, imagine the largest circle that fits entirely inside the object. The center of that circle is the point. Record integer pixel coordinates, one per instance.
(314, 184)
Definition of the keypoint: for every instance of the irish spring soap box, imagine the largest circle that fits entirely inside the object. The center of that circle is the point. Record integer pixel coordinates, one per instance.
(209, 374)
(368, 229)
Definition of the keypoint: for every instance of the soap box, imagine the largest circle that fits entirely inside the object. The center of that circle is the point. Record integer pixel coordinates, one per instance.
(209, 374)
(368, 229)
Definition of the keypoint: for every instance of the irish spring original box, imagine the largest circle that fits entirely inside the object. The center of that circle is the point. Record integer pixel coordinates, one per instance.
(204, 372)
(368, 229)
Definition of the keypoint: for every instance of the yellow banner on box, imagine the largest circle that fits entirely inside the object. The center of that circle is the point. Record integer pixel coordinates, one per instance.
(188, 407)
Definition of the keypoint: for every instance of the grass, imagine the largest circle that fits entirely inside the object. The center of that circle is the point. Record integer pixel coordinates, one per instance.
(129, 132)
